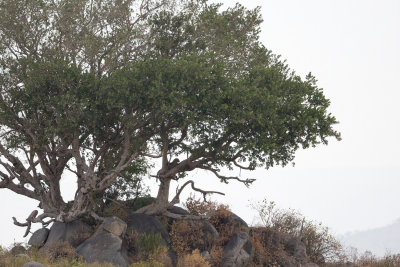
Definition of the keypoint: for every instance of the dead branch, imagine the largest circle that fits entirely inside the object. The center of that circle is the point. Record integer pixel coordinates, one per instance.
(175, 200)
(33, 218)
(28, 223)
(246, 182)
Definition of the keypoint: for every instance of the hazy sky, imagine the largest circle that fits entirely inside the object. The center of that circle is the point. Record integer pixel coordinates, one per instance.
(352, 47)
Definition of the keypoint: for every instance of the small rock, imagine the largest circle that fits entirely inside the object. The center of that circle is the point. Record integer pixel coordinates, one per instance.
(33, 264)
(206, 255)
(297, 249)
(39, 237)
(18, 249)
(115, 225)
(239, 251)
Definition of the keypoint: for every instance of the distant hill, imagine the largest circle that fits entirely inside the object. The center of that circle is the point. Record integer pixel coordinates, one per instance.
(379, 240)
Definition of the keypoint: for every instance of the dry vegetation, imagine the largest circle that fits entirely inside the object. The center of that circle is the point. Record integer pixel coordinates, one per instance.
(187, 237)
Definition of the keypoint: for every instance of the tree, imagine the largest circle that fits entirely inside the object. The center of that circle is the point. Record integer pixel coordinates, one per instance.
(96, 88)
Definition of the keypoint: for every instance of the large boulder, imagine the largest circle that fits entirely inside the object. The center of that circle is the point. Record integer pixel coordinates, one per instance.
(145, 224)
(239, 251)
(74, 233)
(39, 237)
(106, 244)
(210, 234)
(33, 264)
(229, 219)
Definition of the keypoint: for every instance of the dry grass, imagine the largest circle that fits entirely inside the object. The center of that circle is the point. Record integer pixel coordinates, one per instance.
(193, 260)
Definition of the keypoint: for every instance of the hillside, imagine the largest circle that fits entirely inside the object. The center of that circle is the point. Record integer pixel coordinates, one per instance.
(379, 240)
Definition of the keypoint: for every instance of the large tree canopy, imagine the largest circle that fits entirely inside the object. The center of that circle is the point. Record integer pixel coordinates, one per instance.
(96, 88)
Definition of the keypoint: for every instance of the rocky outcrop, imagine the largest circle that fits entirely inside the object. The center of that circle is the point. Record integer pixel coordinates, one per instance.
(39, 237)
(106, 245)
(72, 232)
(239, 251)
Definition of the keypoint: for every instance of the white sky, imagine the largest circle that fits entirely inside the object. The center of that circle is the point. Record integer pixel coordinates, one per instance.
(352, 47)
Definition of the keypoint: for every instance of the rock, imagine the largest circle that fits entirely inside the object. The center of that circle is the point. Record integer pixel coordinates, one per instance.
(210, 234)
(33, 264)
(39, 237)
(115, 225)
(106, 245)
(18, 249)
(206, 255)
(297, 249)
(227, 223)
(234, 221)
(239, 251)
(145, 224)
(178, 210)
(310, 264)
(74, 233)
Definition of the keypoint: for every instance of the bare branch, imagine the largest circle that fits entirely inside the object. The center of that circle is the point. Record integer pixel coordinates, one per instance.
(246, 182)
(175, 200)
(28, 223)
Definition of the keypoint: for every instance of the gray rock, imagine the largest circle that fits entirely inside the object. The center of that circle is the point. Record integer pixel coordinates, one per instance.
(73, 232)
(210, 235)
(115, 225)
(145, 224)
(106, 244)
(39, 237)
(18, 249)
(239, 251)
(178, 210)
(206, 255)
(33, 264)
(310, 264)
(230, 220)
(297, 249)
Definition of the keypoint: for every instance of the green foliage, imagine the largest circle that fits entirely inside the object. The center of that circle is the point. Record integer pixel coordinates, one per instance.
(98, 87)
(149, 244)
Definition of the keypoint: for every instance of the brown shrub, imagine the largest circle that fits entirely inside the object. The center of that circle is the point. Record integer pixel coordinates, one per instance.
(115, 209)
(60, 250)
(146, 248)
(268, 249)
(186, 236)
(217, 255)
(218, 220)
(193, 260)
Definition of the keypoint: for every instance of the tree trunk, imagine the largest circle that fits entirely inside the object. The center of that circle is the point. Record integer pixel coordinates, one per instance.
(161, 203)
